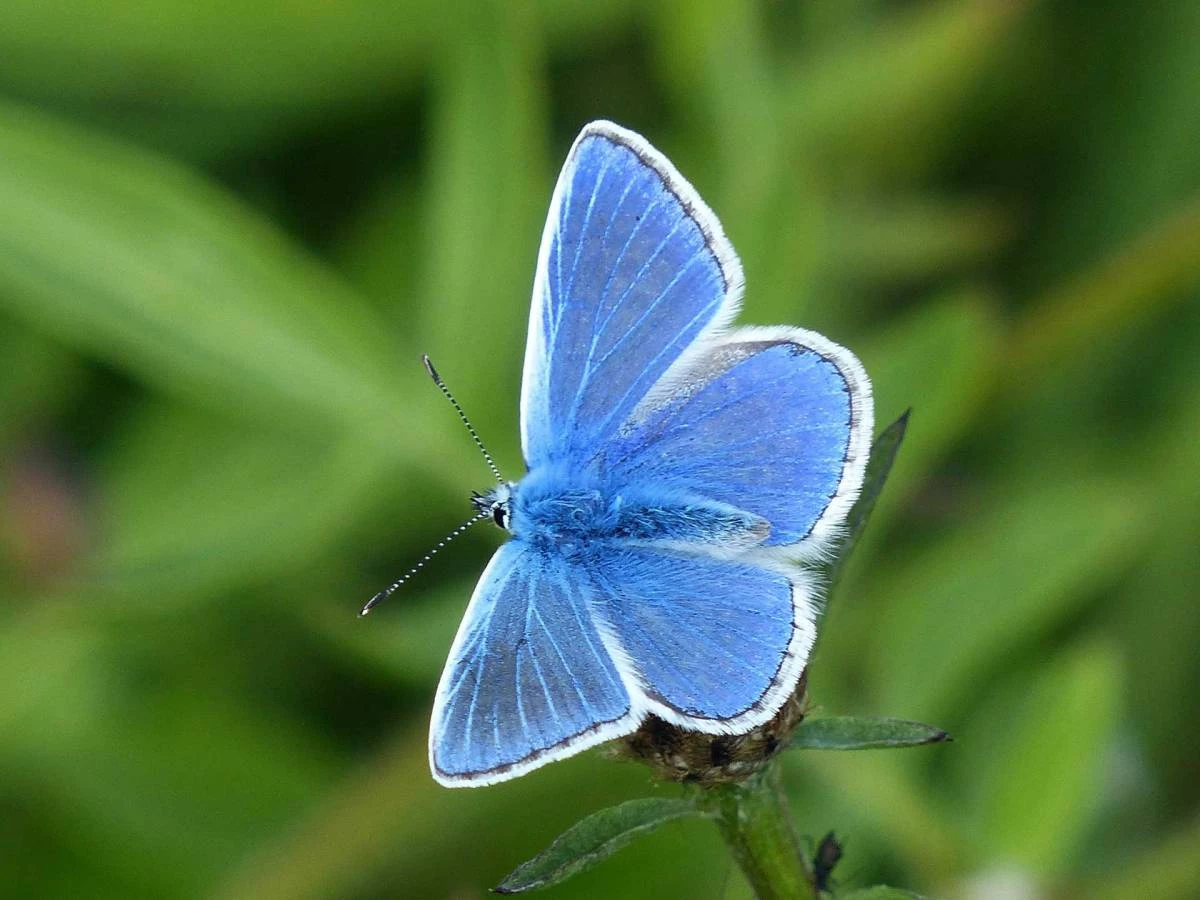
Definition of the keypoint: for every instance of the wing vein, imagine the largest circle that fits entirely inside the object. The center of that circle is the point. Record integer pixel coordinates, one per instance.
(603, 326)
(566, 668)
(667, 347)
(587, 218)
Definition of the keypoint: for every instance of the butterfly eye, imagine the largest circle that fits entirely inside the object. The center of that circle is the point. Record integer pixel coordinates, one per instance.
(500, 515)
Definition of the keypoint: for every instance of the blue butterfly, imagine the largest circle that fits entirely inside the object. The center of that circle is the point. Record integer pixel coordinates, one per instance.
(679, 474)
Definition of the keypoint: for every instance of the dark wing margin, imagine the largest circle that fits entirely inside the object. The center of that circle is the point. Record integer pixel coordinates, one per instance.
(529, 679)
(774, 421)
(633, 269)
(712, 644)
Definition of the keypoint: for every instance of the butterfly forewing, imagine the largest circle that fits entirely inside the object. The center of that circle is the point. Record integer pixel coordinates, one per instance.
(633, 268)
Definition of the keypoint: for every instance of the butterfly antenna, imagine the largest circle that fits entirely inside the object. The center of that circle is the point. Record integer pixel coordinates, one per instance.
(395, 585)
(437, 379)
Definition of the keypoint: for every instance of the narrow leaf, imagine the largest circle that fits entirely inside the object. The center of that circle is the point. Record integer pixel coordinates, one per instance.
(273, 59)
(863, 733)
(882, 892)
(891, 95)
(481, 214)
(1130, 286)
(128, 256)
(721, 60)
(951, 613)
(167, 530)
(1041, 783)
(591, 840)
(939, 360)
(883, 454)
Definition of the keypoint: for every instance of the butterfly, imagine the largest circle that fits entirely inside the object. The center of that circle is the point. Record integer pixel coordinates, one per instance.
(680, 474)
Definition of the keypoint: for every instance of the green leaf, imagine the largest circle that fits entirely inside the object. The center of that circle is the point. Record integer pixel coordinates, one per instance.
(133, 258)
(1170, 870)
(938, 361)
(863, 733)
(1045, 780)
(483, 215)
(883, 454)
(1126, 288)
(252, 59)
(881, 892)
(189, 505)
(944, 617)
(718, 67)
(593, 839)
(216, 55)
(913, 238)
(893, 96)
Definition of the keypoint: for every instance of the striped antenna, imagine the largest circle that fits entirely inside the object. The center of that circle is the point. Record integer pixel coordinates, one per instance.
(392, 588)
(479, 516)
(437, 379)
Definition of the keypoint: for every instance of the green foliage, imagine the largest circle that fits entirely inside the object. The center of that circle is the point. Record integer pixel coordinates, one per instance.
(753, 815)
(1062, 712)
(879, 467)
(881, 892)
(593, 839)
(227, 232)
(855, 733)
(134, 258)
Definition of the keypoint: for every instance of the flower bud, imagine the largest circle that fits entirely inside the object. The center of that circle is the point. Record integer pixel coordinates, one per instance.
(677, 754)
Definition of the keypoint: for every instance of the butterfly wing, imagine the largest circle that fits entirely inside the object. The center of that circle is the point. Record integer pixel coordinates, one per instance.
(773, 421)
(529, 679)
(553, 658)
(714, 645)
(633, 268)
(626, 378)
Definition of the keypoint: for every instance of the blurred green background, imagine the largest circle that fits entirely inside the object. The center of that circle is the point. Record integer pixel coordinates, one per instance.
(228, 230)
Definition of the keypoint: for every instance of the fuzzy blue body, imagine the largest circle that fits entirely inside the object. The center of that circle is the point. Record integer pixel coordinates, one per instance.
(676, 473)
(554, 512)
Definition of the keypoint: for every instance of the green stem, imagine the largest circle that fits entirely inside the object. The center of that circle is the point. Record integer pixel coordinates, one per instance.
(754, 819)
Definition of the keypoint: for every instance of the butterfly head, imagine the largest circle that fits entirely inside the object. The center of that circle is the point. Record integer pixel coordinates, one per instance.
(496, 503)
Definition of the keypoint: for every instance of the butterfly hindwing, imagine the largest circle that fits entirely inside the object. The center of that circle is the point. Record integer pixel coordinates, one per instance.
(774, 421)
(713, 644)
(553, 657)
(528, 679)
(633, 269)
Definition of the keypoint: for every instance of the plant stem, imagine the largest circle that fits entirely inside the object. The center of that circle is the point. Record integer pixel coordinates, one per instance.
(754, 819)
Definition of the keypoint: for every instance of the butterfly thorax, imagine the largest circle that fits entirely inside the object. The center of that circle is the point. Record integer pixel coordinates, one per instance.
(550, 509)
(569, 515)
